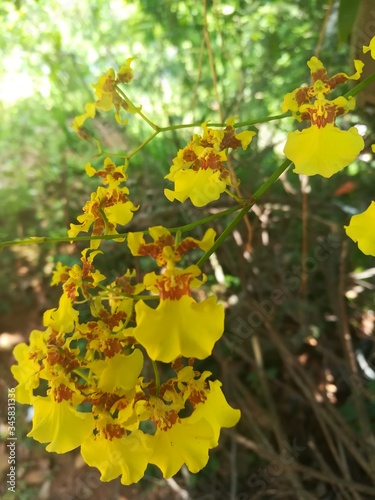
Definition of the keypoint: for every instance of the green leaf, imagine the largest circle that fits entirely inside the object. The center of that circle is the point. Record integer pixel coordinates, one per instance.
(347, 14)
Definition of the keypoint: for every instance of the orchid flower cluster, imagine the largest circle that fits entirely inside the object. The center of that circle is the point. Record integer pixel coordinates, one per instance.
(84, 378)
(93, 374)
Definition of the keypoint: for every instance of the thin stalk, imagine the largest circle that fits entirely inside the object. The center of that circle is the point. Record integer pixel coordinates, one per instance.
(236, 125)
(358, 88)
(157, 375)
(36, 240)
(228, 230)
(266, 119)
(271, 180)
(146, 141)
(234, 196)
(204, 220)
(137, 110)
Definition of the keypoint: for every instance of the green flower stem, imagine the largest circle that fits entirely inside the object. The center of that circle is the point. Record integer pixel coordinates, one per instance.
(137, 110)
(233, 195)
(228, 230)
(159, 130)
(204, 220)
(126, 295)
(189, 125)
(149, 139)
(157, 375)
(271, 180)
(109, 153)
(143, 297)
(358, 88)
(152, 124)
(236, 125)
(36, 240)
(82, 375)
(248, 123)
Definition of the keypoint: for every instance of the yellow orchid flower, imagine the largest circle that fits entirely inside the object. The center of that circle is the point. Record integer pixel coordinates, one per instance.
(164, 249)
(108, 206)
(198, 171)
(361, 230)
(63, 318)
(322, 148)
(107, 96)
(179, 441)
(29, 370)
(179, 326)
(370, 47)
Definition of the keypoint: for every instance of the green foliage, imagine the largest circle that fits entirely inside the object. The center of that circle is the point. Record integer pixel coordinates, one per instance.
(53, 51)
(347, 13)
(49, 65)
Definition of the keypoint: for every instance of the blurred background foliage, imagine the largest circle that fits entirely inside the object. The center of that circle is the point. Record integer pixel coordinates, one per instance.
(51, 51)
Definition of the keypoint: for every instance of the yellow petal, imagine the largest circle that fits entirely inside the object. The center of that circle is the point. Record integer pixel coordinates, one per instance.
(120, 213)
(216, 411)
(119, 372)
(119, 120)
(90, 170)
(90, 113)
(26, 374)
(125, 73)
(314, 64)
(361, 230)
(91, 109)
(183, 443)
(79, 121)
(179, 328)
(202, 187)
(59, 274)
(290, 102)
(134, 241)
(127, 456)
(157, 232)
(323, 151)
(358, 64)
(105, 103)
(245, 138)
(370, 46)
(59, 424)
(208, 239)
(63, 318)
